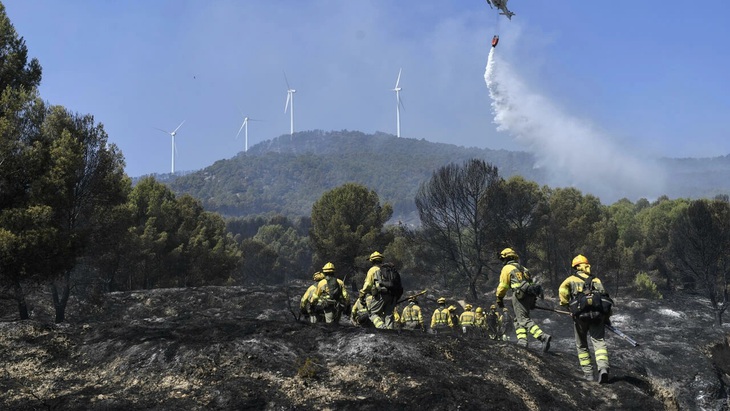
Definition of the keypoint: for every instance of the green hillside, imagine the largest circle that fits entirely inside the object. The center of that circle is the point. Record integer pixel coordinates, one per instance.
(288, 174)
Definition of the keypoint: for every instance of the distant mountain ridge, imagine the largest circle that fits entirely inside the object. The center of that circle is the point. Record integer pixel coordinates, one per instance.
(287, 174)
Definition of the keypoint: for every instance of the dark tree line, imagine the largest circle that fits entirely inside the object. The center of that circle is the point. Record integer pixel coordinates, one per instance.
(681, 244)
(68, 214)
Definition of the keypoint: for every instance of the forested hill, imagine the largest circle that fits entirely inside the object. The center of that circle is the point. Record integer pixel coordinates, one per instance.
(697, 177)
(288, 174)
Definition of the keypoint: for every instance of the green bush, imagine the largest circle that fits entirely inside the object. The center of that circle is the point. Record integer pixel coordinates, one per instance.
(645, 287)
(308, 369)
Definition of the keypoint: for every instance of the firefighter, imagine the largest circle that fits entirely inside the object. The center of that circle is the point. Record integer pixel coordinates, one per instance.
(306, 307)
(412, 318)
(494, 323)
(517, 278)
(360, 316)
(586, 321)
(441, 318)
(454, 315)
(331, 295)
(383, 303)
(506, 324)
(467, 320)
(480, 321)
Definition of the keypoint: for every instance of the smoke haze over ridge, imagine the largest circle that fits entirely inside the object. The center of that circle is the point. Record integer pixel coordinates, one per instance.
(573, 152)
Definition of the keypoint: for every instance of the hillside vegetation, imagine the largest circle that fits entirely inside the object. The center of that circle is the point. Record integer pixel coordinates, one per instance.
(287, 174)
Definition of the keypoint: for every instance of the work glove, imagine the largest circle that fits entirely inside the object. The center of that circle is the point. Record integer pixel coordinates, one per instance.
(536, 289)
(500, 302)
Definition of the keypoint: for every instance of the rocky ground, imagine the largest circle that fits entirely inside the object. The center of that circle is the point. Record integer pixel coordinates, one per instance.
(241, 348)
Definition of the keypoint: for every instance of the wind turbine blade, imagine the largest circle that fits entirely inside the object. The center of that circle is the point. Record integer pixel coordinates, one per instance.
(286, 106)
(239, 130)
(175, 131)
(397, 82)
(400, 102)
(286, 80)
(166, 132)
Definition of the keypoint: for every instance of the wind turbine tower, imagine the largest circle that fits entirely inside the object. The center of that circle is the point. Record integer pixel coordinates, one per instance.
(244, 127)
(289, 99)
(174, 149)
(398, 103)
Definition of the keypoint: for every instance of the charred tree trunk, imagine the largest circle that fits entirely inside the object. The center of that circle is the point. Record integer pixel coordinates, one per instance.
(60, 301)
(473, 288)
(20, 298)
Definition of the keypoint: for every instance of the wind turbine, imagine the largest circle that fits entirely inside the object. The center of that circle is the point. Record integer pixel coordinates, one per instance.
(289, 98)
(174, 149)
(244, 126)
(398, 103)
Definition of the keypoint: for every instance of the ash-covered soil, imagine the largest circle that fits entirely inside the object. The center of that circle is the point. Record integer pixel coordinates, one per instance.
(240, 348)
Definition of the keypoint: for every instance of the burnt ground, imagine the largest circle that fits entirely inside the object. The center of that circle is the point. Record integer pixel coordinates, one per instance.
(240, 348)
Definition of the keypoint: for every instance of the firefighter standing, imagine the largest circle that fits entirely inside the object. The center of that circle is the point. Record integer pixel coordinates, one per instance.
(467, 320)
(515, 277)
(494, 323)
(412, 318)
(505, 324)
(441, 318)
(480, 321)
(331, 295)
(454, 315)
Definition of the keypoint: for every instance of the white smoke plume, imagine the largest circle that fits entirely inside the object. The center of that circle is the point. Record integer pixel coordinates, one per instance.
(571, 150)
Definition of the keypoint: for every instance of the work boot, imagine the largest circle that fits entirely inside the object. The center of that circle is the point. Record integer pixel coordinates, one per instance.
(545, 338)
(603, 375)
(522, 342)
(588, 376)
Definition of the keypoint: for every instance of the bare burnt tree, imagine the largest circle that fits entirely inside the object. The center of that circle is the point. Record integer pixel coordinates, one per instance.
(452, 211)
(699, 242)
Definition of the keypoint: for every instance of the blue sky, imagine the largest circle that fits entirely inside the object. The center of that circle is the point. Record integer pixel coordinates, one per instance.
(651, 76)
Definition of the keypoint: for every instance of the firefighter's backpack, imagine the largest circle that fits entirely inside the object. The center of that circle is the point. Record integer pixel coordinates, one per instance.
(589, 303)
(388, 281)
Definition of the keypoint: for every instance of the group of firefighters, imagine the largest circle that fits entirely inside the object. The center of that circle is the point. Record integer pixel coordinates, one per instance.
(376, 306)
(493, 325)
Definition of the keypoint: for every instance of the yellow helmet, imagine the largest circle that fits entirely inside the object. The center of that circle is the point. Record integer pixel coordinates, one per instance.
(441, 300)
(479, 310)
(412, 299)
(376, 256)
(468, 307)
(492, 307)
(452, 307)
(318, 276)
(579, 259)
(508, 253)
(328, 268)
